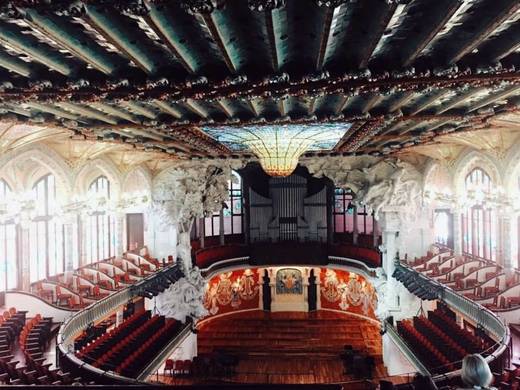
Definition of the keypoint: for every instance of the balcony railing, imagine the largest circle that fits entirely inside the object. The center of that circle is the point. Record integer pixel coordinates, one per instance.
(288, 252)
(484, 318)
(99, 310)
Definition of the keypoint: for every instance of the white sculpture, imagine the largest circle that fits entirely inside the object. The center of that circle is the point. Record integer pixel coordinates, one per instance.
(377, 184)
(182, 194)
(184, 298)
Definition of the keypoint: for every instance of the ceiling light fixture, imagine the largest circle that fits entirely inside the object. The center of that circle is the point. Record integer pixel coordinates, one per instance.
(279, 147)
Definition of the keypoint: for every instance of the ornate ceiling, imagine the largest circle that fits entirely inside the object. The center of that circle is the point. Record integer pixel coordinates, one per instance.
(151, 75)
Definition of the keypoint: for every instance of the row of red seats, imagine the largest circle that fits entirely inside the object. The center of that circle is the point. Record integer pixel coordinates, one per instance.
(469, 341)
(431, 357)
(134, 363)
(94, 349)
(445, 344)
(509, 379)
(178, 367)
(33, 339)
(73, 295)
(137, 337)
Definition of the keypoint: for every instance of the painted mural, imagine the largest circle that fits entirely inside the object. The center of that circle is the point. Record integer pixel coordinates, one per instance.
(289, 281)
(234, 290)
(347, 291)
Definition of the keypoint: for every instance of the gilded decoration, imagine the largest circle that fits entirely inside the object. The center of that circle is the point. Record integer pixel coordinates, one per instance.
(353, 290)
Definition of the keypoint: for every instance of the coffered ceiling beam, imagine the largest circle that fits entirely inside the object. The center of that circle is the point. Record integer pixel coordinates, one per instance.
(10, 36)
(107, 27)
(447, 12)
(457, 100)
(54, 111)
(407, 96)
(224, 106)
(215, 34)
(270, 20)
(197, 108)
(371, 102)
(90, 53)
(485, 30)
(87, 112)
(371, 44)
(140, 109)
(115, 111)
(168, 108)
(495, 97)
(428, 102)
(325, 37)
(157, 22)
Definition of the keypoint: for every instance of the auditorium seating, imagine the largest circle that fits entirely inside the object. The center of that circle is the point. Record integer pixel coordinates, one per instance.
(439, 341)
(127, 348)
(93, 281)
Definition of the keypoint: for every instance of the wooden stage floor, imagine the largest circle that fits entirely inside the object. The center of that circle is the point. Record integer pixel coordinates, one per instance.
(287, 347)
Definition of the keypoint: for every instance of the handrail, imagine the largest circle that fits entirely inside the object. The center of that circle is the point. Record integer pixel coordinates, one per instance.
(98, 310)
(479, 314)
(165, 352)
(405, 349)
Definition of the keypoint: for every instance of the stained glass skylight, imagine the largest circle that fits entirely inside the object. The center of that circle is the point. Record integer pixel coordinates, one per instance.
(279, 146)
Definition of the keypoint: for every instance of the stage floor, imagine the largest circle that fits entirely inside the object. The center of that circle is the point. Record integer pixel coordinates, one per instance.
(287, 347)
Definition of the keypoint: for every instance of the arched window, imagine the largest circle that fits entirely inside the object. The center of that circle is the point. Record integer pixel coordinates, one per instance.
(45, 233)
(100, 227)
(478, 223)
(233, 211)
(8, 258)
(442, 227)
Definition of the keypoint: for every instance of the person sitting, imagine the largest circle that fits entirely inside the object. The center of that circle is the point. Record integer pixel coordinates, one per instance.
(476, 373)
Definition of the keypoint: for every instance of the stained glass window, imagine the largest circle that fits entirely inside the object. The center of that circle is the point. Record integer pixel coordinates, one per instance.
(343, 213)
(233, 211)
(100, 227)
(279, 147)
(479, 225)
(45, 233)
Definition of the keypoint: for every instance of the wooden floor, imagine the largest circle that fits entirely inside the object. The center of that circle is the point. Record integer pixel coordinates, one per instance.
(283, 348)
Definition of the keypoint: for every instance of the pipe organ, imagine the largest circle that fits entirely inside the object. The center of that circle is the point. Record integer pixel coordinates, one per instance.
(289, 213)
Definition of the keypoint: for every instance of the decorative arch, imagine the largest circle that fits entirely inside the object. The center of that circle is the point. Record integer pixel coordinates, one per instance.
(87, 173)
(141, 171)
(436, 175)
(47, 158)
(513, 161)
(474, 159)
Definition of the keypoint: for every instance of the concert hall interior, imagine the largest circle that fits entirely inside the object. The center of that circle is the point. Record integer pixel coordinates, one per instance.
(260, 194)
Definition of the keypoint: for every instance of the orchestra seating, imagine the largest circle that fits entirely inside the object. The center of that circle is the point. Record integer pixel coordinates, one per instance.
(127, 348)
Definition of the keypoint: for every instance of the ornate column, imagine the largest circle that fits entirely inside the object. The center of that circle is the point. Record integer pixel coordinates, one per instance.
(221, 226)
(120, 233)
(390, 227)
(68, 227)
(355, 229)
(506, 241)
(23, 256)
(457, 232)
